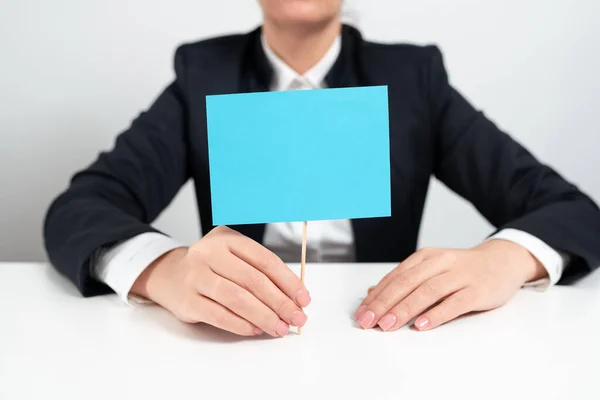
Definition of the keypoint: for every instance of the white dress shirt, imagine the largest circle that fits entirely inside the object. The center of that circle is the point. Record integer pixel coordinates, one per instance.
(327, 241)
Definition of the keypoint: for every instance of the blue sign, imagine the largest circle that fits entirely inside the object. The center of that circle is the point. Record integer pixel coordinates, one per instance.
(299, 155)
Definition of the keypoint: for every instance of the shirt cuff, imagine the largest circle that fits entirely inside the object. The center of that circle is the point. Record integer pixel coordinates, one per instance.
(553, 261)
(120, 266)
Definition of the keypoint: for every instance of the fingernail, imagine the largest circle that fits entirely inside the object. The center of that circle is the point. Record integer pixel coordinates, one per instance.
(282, 328)
(359, 312)
(422, 323)
(303, 298)
(367, 319)
(387, 322)
(298, 318)
(257, 331)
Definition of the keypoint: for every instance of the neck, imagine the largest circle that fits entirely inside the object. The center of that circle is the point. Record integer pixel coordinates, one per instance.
(301, 47)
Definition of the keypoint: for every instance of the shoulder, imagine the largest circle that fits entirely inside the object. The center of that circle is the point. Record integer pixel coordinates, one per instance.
(192, 54)
(213, 44)
(412, 67)
(402, 55)
(407, 51)
(392, 55)
(412, 71)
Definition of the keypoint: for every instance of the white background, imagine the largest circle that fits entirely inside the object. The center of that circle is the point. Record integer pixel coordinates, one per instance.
(74, 73)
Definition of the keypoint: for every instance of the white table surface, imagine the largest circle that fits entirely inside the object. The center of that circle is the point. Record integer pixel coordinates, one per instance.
(56, 345)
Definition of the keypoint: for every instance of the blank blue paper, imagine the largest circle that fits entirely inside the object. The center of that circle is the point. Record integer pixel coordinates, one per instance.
(299, 155)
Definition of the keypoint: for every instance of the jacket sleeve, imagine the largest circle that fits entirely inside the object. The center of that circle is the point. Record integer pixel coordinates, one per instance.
(123, 190)
(504, 181)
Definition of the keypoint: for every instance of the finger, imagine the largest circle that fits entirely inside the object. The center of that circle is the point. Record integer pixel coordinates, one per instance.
(373, 292)
(232, 268)
(203, 309)
(425, 296)
(453, 307)
(242, 303)
(269, 264)
(399, 288)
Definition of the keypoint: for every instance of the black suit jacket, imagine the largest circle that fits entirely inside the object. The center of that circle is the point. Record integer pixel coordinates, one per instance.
(434, 131)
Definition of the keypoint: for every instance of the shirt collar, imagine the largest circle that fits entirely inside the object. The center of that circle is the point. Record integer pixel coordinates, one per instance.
(284, 75)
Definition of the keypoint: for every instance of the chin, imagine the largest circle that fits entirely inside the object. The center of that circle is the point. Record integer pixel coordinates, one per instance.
(305, 12)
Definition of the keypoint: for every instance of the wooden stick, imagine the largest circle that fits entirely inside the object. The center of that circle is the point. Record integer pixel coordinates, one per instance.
(303, 261)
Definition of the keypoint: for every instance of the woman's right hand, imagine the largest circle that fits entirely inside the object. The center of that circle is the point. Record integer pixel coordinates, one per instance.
(229, 281)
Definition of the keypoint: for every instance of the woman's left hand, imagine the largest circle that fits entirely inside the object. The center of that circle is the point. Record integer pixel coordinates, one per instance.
(461, 281)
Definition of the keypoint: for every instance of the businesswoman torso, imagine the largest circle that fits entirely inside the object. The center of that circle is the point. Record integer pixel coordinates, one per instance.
(98, 231)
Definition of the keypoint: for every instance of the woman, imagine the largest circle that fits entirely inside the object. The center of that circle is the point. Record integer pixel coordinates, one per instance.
(97, 232)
